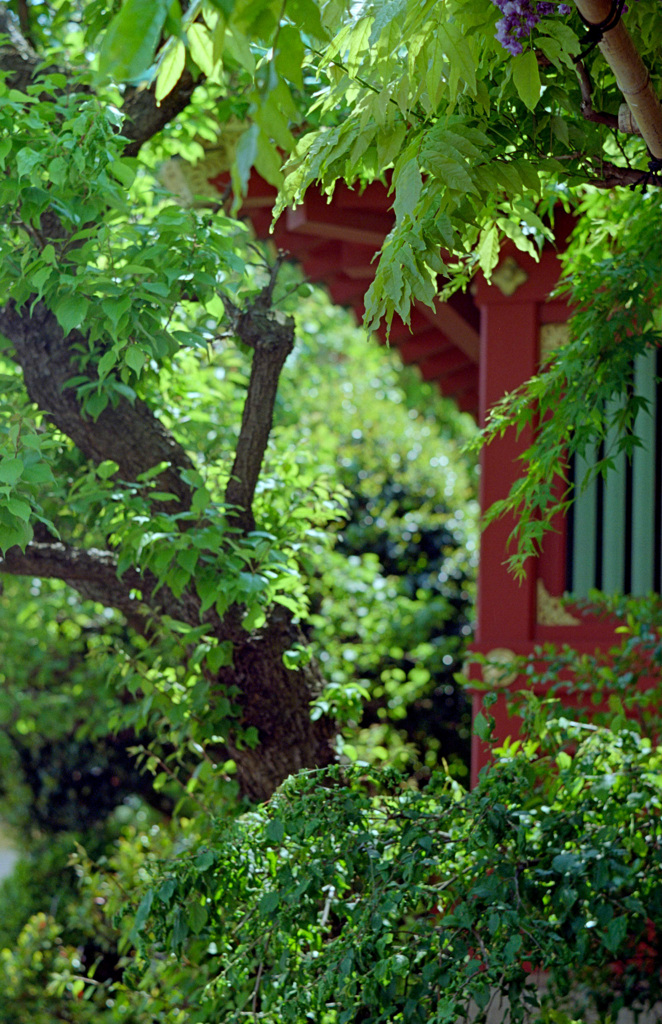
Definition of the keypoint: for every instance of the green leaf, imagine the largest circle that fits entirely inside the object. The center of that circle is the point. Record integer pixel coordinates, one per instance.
(289, 57)
(482, 726)
(252, 583)
(124, 171)
(13, 531)
(38, 473)
(526, 78)
(204, 860)
(143, 912)
(71, 311)
(26, 159)
(106, 363)
(128, 47)
(115, 307)
(254, 619)
(96, 403)
(220, 656)
(134, 358)
(5, 147)
(566, 862)
(106, 469)
(511, 948)
(167, 890)
(306, 13)
(275, 831)
(179, 929)
(20, 508)
(408, 185)
(245, 155)
(268, 903)
(170, 69)
(488, 250)
(615, 933)
(268, 161)
(188, 559)
(453, 174)
(10, 470)
(197, 918)
(462, 60)
(201, 47)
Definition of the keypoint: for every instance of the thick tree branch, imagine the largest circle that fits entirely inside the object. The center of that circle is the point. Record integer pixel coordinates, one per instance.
(144, 118)
(607, 175)
(271, 336)
(586, 106)
(17, 56)
(275, 700)
(631, 73)
(128, 434)
(93, 573)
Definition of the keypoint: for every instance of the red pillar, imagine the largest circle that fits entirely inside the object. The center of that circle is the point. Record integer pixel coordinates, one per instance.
(509, 355)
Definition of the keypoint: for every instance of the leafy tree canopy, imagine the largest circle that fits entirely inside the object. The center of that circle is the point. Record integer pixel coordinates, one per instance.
(143, 344)
(482, 121)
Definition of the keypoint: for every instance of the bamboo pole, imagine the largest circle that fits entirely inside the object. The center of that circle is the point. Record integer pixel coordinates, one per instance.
(631, 73)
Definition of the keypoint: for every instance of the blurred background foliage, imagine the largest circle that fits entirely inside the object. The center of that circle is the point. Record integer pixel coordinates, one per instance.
(390, 590)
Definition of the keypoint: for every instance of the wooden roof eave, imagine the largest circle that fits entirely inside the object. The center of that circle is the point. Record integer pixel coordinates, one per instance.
(336, 243)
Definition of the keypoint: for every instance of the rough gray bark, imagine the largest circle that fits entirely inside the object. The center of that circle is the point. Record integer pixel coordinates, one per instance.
(274, 699)
(271, 336)
(93, 573)
(128, 434)
(277, 702)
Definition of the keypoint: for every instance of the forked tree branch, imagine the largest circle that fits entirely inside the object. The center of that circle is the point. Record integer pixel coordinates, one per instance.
(271, 336)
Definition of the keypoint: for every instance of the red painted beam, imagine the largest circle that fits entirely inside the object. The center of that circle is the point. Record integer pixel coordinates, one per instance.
(400, 331)
(352, 259)
(316, 217)
(468, 402)
(441, 365)
(455, 327)
(373, 197)
(344, 290)
(460, 380)
(422, 346)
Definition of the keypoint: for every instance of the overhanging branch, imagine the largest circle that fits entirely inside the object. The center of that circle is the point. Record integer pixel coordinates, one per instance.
(93, 573)
(631, 73)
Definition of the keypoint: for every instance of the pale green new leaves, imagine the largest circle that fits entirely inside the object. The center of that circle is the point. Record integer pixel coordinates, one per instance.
(527, 78)
(129, 44)
(170, 69)
(427, 88)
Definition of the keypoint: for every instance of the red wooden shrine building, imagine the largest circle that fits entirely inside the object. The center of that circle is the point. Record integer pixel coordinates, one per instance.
(477, 347)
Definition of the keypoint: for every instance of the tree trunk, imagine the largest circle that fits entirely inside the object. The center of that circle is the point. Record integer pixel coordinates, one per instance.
(276, 700)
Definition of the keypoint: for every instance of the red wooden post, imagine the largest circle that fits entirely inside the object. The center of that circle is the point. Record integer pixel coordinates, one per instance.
(509, 355)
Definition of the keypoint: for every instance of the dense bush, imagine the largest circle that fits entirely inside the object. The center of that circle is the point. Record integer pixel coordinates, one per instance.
(354, 896)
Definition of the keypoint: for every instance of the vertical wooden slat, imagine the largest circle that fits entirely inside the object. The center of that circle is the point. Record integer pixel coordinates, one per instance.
(643, 462)
(657, 475)
(613, 529)
(584, 529)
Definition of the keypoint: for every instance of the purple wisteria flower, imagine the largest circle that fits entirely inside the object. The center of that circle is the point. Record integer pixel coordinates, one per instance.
(520, 17)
